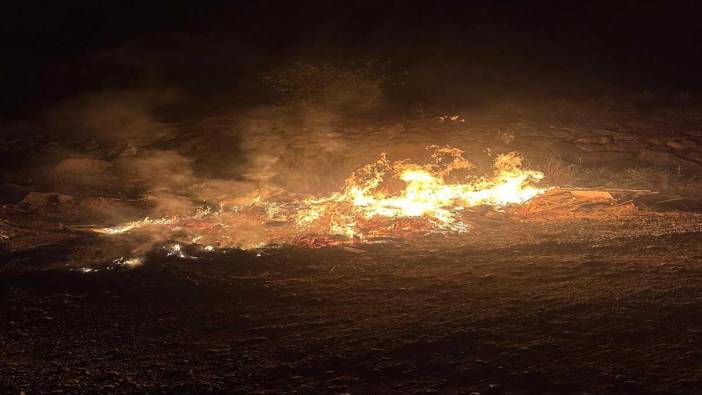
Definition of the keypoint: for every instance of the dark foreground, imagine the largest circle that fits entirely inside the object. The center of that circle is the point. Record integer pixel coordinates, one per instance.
(584, 307)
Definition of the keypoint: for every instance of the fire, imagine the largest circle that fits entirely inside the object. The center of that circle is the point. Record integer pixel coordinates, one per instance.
(426, 194)
(133, 225)
(379, 199)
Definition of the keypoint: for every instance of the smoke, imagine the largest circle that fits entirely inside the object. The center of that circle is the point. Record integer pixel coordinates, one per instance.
(124, 155)
(116, 117)
(127, 146)
(143, 149)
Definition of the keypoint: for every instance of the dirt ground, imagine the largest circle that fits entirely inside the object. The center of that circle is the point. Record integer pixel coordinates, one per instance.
(587, 305)
(582, 307)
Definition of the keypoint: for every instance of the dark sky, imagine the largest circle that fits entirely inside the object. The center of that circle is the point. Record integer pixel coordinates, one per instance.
(54, 50)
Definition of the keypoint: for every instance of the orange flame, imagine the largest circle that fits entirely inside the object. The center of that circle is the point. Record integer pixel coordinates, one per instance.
(368, 197)
(426, 194)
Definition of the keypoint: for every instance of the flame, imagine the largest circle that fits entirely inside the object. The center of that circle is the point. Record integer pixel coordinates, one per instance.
(426, 194)
(124, 228)
(381, 198)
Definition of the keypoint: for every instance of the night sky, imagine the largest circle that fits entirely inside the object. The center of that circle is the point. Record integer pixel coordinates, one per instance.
(211, 50)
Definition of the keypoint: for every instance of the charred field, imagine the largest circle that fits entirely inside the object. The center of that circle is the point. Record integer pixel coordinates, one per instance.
(369, 198)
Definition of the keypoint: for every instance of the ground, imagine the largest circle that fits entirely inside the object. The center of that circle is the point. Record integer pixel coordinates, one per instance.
(598, 307)
(581, 304)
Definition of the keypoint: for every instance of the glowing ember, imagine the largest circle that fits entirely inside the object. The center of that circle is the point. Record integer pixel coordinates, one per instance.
(383, 198)
(130, 263)
(176, 250)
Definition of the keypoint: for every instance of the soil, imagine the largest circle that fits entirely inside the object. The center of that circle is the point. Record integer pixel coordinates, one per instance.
(608, 304)
(580, 307)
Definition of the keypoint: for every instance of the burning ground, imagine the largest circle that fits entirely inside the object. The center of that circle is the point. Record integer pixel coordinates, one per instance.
(367, 208)
(308, 174)
(333, 268)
